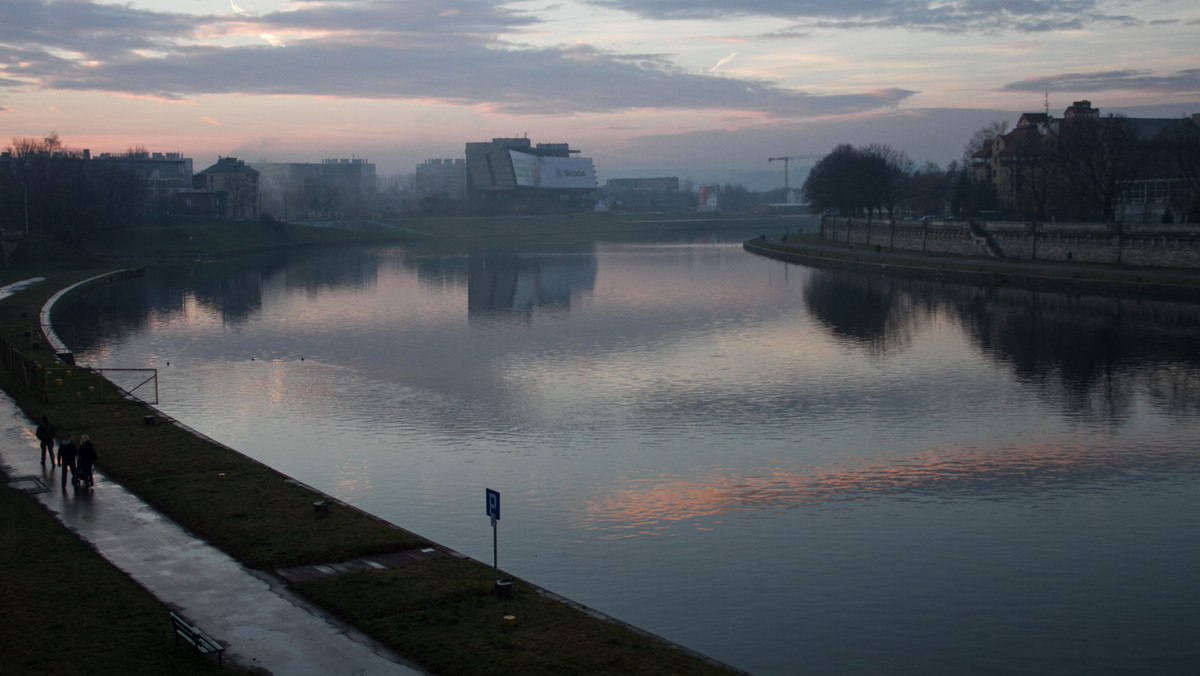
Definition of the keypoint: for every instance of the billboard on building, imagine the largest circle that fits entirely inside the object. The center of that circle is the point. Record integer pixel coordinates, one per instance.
(708, 197)
(535, 171)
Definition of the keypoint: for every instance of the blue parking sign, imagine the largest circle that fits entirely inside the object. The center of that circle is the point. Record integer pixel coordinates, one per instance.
(493, 503)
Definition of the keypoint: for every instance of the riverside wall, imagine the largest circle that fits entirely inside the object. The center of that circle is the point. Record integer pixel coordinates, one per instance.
(61, 349)
(1141, 245)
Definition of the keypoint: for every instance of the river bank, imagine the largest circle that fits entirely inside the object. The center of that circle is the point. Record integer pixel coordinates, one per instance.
(1150, 283)
(442, 614)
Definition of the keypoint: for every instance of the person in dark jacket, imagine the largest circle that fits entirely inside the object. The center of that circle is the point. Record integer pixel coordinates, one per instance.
(45, 433)
(66, 457)
(86, 462)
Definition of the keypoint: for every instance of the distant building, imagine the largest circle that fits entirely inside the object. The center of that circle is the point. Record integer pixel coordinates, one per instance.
(334, 189)
(661, 184)
(203, 203)
(1081, 165)
(524, 177)
(239, 183)
(163, 175)
(441, 178)
(644, 194)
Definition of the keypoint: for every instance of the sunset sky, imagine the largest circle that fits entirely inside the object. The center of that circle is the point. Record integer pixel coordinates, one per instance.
(705, 89)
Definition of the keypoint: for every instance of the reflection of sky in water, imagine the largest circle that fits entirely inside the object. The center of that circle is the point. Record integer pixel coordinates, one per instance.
(677, 430)
(634, 506)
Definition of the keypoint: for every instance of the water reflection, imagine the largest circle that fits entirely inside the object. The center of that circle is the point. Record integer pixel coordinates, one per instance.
(1087, 354)
(868, 310)
(894, 449)
(1089, 357)
(1039, 472)
(517, 284)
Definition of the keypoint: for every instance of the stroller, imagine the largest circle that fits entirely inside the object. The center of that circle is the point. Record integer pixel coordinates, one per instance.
(82, 477)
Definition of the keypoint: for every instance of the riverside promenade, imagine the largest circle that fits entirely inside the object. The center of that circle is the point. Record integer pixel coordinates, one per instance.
(265, 628)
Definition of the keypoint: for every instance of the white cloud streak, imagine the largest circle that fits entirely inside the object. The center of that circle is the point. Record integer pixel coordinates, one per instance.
(954, 16)
(722, 62)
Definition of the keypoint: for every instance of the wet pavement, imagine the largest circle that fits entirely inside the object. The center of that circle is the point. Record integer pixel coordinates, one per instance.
(263, 626)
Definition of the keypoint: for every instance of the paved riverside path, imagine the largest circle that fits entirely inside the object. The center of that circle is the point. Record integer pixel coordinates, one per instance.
(262, 625)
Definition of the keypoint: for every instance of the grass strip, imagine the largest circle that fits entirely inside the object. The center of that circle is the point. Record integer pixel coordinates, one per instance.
(444, 614)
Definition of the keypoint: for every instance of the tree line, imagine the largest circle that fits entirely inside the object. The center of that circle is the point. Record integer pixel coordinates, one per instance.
(46, 186)
(1083, 171)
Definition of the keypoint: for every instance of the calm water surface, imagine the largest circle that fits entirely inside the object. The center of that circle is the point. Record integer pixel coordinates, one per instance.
(788, 469)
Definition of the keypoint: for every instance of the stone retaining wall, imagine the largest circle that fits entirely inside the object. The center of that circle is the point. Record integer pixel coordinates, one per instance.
(60, 348)
(1167, 245)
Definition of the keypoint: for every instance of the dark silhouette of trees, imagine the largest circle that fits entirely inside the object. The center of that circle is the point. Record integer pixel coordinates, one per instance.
(859, 181)
(1034, 168)
(931, 189)
(831, 182)
(890, 170)
(68, 195)
(1100, 156)
(1183, 156)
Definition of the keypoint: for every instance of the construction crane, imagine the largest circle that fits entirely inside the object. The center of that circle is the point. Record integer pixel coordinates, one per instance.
(786, 160)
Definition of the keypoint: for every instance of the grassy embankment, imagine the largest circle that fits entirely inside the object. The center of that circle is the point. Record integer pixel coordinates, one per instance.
(440, 613)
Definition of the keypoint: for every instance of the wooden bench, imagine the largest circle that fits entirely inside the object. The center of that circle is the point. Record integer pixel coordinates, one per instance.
(199, 640)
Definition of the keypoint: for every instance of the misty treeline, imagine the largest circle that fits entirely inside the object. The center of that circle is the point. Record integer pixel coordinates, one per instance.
(45, 186)
(1078, 174)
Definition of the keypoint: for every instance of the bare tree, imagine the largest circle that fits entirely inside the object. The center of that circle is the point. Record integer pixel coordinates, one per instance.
(930, 189)
(890, 170)
(242, 195)
(1100, 157)
(1183, 143)
(980, 139)
(1034, 169)
(52, 184)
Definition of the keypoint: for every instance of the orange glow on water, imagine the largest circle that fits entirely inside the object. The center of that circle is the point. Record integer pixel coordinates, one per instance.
(654, 505)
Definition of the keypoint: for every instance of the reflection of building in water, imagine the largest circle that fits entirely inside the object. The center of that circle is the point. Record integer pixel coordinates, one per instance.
(509, 284)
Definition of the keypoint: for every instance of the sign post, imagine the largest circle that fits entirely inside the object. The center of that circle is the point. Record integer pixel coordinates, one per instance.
(502, 587)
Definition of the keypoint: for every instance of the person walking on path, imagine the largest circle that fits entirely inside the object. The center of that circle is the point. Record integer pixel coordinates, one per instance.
(66, 458)
(45, 433)
(86, 462)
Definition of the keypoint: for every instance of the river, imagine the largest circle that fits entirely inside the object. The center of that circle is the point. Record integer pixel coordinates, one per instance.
(789, 469)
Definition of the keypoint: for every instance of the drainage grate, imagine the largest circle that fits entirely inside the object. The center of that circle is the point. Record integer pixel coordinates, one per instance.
(28, 484)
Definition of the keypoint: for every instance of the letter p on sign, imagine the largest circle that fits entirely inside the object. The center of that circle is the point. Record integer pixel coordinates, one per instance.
(493, 503)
